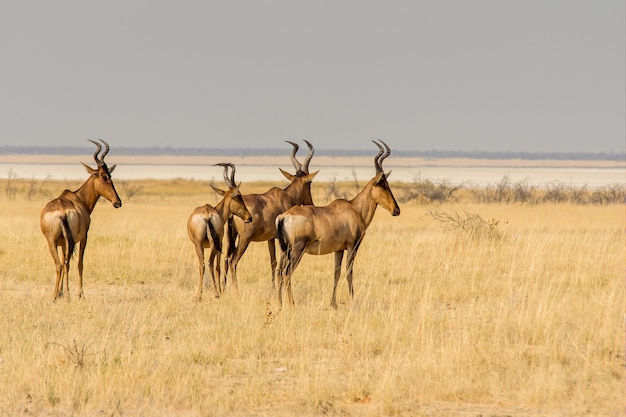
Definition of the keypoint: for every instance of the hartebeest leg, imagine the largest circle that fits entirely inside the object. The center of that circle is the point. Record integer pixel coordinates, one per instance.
(214, 269)
(218, 273)
(296, 252)
(271, 246)
(338, 260)
(349, 269)
(200, 253)
(243, 245)
(282, 271)
(81, 254)
(58, 269)
(66, 275)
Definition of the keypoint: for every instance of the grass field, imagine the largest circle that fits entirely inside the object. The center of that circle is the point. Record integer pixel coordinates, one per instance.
(524, 318)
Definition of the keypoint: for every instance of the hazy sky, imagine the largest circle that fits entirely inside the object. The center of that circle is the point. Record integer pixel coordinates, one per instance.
(446, 75)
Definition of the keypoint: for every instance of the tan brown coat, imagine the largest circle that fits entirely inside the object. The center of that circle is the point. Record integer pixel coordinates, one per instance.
(336, 228)
(205, 228)
(65, 220)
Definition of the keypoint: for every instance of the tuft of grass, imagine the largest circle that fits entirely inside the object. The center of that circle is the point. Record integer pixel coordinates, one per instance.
(75, 354)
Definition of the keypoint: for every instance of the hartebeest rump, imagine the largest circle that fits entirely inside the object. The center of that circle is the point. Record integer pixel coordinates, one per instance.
(205, 228)
(264, 208)
(65, 220)
(340, 226)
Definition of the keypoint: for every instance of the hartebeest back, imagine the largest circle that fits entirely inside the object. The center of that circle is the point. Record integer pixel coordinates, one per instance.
(264, 208)
(340, 226)
(65, 220)
(205, 228)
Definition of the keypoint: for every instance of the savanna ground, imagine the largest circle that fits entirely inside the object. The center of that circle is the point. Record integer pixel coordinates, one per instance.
(463, 307)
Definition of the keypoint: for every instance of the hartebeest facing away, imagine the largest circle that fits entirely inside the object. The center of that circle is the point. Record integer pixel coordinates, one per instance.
(65, 220)
(205, 227)
(264, 208)
(340, 226)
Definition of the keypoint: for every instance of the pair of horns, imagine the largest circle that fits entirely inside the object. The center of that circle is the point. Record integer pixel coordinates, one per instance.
(382, 154)
(100, 160)
(301, 167)
(229, 180)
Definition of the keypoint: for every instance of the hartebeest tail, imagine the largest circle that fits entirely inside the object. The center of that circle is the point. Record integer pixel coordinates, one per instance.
(336, 228)
(280, 235)
(205, 227)
(215, 237)
(65, 220)
(70, 243)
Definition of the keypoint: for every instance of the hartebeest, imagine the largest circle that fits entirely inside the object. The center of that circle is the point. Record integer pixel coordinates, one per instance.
(65, 220)
(264, 208)
(340, 226)
(205, 227)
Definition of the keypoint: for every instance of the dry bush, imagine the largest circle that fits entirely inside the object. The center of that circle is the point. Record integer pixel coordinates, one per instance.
(75, 354)
(609, 194)
(342, 189)
(130, 188)
(424, 190)
(506, 192)
(552, 193)
(469, 223)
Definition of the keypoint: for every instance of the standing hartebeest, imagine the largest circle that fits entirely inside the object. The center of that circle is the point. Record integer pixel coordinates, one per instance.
(340, 226)
(65, 220)
(205, 227)
(264, 208)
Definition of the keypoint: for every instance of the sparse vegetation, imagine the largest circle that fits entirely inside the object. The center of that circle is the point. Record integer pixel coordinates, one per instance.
(345, 190)
(469, 223)
(75, 354)
(130, 188)
(428, 191)
(553, 193)
(10, 189)
(526, 319)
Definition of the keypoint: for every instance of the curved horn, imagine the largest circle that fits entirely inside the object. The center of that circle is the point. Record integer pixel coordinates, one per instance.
(305, 164)
(95, 155)
(377, 159)
(387, 153)
(106, 150)
(230, 181)
(232, 175)
(297, 165)
(222, 164)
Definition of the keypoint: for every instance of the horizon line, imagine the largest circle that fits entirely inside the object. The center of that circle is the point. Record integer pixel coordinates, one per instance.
(267, 151)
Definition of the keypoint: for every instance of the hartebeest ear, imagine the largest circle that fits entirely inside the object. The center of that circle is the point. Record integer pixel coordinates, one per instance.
(90, 170)
(217, 190)
(381, 175)
(287, 175)
(235, 191)
(310, 177)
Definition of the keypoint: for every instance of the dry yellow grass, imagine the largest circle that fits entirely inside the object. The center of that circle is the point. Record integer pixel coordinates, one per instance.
(527, 321)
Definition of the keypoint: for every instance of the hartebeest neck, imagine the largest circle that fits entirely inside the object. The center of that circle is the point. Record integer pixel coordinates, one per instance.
(88, 195)
(221, 209)
(293, 190)
(364, 204)
(295, 193)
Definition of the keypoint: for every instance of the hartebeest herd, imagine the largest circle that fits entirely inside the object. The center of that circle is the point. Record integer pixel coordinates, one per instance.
(287, 214)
